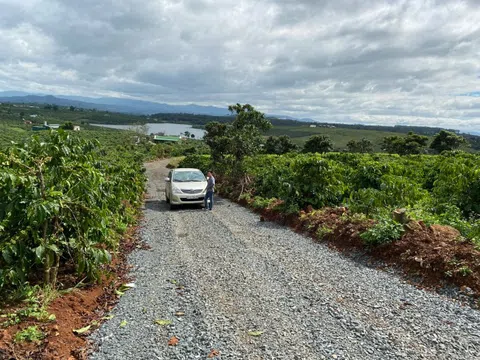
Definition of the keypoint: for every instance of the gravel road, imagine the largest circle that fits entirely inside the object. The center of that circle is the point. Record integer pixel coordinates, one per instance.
(231, 274)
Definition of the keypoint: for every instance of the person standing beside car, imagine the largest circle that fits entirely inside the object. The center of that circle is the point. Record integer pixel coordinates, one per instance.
(210, 190)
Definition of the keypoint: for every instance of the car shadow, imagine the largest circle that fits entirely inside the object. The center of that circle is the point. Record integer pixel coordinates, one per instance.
(163, 206)
(156, 205)
(218, 201)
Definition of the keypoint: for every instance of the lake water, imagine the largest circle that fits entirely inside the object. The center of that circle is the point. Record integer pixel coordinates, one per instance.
(167, 128)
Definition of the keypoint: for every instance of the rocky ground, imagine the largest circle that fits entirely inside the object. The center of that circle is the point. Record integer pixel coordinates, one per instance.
(234, 287)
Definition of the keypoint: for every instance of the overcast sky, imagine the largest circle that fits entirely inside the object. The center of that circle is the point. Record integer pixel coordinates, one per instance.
(384, 62)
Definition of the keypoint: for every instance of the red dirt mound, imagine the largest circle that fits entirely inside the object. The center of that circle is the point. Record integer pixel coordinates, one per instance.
(437, 253)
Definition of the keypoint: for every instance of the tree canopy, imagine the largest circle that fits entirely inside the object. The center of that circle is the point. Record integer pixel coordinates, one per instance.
(240, 138)
(446, 140)
(361, 146)
(318, 144)
(405, 145)
(279, 145)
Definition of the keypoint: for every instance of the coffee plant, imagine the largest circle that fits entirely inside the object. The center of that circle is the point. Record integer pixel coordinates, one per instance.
(445, 189)
(62, 201)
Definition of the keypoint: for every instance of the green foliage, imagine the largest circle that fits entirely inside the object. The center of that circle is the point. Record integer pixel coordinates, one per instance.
(279, 145)
(360, 146)
(181, 148)
(262, 203)
(384, 231)
(217, 138)
(323, 231)
(231, 143)
(465, 271)
(442, 189)
(36, 300)
(30, 334)
(318, 144)
(62, 202)
(446, 140)
(201, 162)
(405, 145)
(246, 131)
(67, 126)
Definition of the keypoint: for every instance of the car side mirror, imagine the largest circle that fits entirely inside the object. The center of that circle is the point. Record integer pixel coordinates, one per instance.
(167, 179)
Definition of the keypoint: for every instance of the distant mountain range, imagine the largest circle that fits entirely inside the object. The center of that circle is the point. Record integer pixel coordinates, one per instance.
(121, 105)
(111, 104)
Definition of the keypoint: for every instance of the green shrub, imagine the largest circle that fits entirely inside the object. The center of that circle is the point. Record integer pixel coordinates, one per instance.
(201, 162)
(442, 189)
(30, 334)
(262, 203)
(323, 231)
(62, 202)
(384, 231)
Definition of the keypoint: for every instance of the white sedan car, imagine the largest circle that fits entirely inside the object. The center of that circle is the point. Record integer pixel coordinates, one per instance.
(185, 186)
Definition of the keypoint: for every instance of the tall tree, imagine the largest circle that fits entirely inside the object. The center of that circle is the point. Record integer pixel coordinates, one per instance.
(318, 144)
(243, 137)
(216, 137)
(246, 131)
(67, 126)
(279, 145)
(446, 140)
(360, 146)
(405, 145)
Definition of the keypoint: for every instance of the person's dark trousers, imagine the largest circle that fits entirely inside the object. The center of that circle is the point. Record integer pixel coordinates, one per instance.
(209, 196)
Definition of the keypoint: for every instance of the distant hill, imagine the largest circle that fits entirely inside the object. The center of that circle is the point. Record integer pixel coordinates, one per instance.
(111, 104)
(192, 113)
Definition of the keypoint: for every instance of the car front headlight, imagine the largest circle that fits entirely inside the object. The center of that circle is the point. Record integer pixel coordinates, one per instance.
(176, 190)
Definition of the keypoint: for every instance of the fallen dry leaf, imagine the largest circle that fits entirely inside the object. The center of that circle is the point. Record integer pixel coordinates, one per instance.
(82, 330)
(213, 353)
(173, 341)
(162, 322)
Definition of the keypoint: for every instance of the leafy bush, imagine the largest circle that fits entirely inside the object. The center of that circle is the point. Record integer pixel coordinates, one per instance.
(262, 203)
(30, 334)
(384, 231)
(442, 189)
(323, 231)
(62, 202)
(201, 162)
(318, 144)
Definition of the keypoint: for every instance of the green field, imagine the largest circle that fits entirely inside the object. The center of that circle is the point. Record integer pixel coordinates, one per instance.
(339, 136)
(12, 118)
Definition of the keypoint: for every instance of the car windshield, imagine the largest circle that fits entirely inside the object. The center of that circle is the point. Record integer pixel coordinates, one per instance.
(188, 176)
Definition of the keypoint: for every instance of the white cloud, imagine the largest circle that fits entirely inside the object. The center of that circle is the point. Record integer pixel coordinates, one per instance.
(334, 60)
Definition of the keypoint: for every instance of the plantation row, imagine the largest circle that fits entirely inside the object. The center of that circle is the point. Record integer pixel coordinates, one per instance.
(64, 201)
(442, 189)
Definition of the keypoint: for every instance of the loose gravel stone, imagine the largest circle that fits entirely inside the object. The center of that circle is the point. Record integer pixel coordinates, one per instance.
(231, 274)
